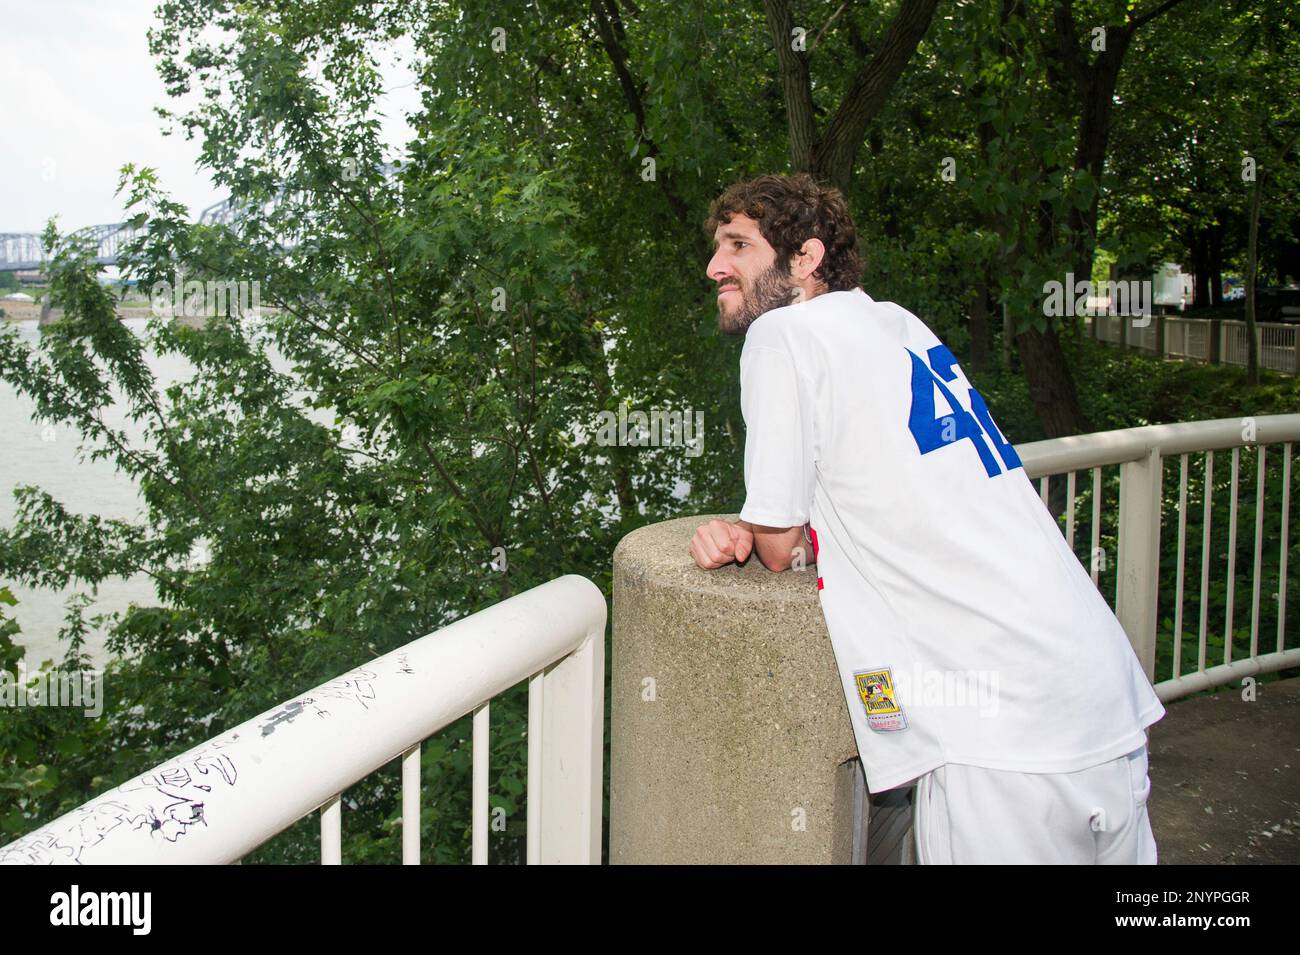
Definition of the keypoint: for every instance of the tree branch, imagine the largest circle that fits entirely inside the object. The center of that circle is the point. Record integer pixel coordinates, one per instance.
(832, 155)
(796, 87)
(1160, 10)
(632, 94)
(817, 39)
(1067, 39)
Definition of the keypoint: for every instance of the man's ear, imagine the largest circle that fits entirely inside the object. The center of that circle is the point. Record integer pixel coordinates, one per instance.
(809, 258)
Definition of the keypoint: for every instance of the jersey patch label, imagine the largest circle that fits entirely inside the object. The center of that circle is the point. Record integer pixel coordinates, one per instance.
(876, 690)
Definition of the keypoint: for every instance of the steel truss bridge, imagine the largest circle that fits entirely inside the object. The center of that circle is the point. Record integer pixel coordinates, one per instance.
(22, 252)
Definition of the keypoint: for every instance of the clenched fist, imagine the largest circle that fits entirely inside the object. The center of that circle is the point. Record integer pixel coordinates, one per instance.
(720, 542)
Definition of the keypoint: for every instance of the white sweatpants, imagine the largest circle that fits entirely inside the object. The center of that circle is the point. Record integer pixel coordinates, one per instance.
(1096, 816)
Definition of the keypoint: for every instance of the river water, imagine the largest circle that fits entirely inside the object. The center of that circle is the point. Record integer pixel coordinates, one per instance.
(47, 456)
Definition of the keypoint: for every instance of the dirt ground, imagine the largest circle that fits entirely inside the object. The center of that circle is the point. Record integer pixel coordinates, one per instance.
(1225, 778)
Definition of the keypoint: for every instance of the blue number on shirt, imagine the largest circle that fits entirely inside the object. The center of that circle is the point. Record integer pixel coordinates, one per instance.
(928, 428)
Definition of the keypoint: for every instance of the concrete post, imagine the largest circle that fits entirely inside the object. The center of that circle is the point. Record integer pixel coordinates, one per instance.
(729, 730)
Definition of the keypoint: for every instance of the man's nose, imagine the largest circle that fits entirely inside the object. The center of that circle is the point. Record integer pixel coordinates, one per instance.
(716, 270)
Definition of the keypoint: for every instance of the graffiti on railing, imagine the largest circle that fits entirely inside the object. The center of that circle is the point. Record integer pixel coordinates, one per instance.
(171, 800)
(356, 687)
(164, 803)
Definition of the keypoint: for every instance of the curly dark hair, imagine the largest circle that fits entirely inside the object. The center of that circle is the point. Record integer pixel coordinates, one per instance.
(789, 211)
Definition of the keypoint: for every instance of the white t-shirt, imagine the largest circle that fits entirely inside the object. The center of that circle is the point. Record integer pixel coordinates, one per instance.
(964, 627)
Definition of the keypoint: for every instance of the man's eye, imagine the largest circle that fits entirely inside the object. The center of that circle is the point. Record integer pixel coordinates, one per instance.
(739, 243)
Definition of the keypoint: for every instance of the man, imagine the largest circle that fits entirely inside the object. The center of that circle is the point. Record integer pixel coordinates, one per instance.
(976, 655)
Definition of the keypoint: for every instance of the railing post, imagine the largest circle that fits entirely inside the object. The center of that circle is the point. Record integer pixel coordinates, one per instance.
(331, 831)
(573, 741)
(1139, 554)
(1160, 337)
(411, 806)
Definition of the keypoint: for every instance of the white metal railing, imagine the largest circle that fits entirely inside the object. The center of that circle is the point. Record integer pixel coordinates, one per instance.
(1142, 337)
(1194, 339)
(221, 800)
(1140, 454)
(1188, 339)
(1107, 327)
(1276, 345)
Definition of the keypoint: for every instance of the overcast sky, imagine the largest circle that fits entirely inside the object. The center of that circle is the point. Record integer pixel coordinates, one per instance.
(79, 92)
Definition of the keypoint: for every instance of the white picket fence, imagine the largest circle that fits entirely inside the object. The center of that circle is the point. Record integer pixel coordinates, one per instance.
(1193, 339)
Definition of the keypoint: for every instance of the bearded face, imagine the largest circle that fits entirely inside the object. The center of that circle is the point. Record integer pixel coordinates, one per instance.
(741, 304)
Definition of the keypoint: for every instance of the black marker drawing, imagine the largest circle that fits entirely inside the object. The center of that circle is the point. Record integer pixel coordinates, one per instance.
(167, 801)
(357, 687)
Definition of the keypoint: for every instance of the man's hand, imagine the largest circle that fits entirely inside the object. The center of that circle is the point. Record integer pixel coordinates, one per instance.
(720, 542)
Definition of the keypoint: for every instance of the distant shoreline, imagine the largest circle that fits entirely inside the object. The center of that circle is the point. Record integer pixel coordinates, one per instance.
(26, 311)
(31, 312)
